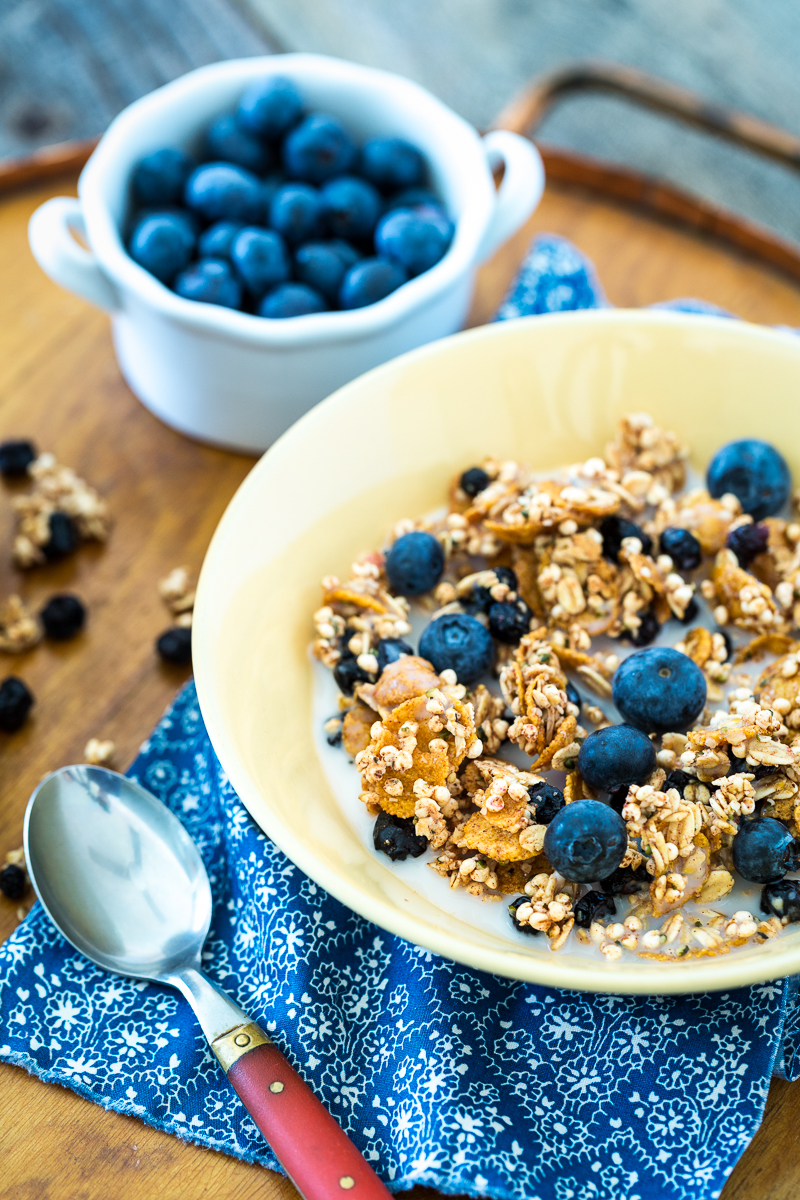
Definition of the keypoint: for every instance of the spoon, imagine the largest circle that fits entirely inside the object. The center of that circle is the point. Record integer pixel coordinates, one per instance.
(121, 879)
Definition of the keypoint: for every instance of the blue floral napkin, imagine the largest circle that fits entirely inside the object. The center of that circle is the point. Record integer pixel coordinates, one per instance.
(440, 1074)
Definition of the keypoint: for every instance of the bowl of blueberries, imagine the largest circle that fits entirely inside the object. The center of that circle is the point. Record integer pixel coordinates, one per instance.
(264, 230)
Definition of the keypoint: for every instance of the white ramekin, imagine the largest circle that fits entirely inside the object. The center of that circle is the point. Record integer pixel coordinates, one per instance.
(240, 380)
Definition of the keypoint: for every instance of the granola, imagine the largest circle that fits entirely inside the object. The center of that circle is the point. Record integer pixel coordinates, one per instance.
(462, 763)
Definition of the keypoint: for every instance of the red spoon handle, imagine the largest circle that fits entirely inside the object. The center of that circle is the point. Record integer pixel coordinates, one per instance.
(316, 1154)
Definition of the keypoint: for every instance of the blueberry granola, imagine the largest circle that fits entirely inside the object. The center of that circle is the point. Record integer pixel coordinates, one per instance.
(640, 835)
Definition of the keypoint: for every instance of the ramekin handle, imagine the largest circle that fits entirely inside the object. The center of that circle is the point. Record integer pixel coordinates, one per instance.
(50, 234)
(520, 190)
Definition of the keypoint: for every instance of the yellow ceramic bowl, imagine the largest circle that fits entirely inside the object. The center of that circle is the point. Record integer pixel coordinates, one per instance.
(546, 390)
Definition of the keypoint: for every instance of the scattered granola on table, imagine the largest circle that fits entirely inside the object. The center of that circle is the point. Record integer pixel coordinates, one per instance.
(675, 835)
(59, 512)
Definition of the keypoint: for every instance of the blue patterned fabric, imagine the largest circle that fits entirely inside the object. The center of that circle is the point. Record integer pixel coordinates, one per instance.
(440, 1074)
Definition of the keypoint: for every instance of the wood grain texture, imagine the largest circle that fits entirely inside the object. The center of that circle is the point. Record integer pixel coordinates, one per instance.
(59, 384)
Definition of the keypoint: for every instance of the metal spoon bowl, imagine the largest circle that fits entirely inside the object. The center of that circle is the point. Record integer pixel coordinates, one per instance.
(121, 879)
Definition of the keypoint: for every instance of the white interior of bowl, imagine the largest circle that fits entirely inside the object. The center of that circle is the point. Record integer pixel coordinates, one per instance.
(546, 390)
(368, 101)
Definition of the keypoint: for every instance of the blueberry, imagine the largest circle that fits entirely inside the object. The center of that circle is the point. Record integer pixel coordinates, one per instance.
(616, 756)
(228, 141)
(546, 801)
(270, 106)
(415, 197)
(160, 177)
(473, 481)
(460, 643)
(223, 192)
(216, 241)
(592, 907)
(747, 542)
(318, 148)
(63, 616)
(163, 244)
(175, 645)
(682, 547)
(614, 530)
(210, 281)
(679, 780)
(390, 649)
(16, 457)
(397, 838)
(647, 632)
(574, 696)
(292, 300)
(351, 206)
(509, 620)
(756, 474)
(64, 537)
(782, 900)
(512, 912)
(369, 281)
(261, 259)
(348, 673)
(691, 611)
(586, 841)
(659, 690)
(764, 850)
(347, 253)
(414, 564)
(391, 162)
(320, 267)
(295, 211)
(415, 241)
(13, 881)
(625, 881)
(16, 701)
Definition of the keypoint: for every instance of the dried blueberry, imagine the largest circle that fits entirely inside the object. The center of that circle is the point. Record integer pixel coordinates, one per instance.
(64, 537)
(175, 645)
(397, 838)
(546, 801)
(63, 616)
(473, 481)
(509, 620)
(692, 609)
(335, 738)
(13, 881)
(16, 457)
(512, 912)
(678, 780)
(647, 632)
(481, 598)
(348, 673)
(390, 649)
(618, 797)
(782, 900)
(747, 542)
(626, 880)
(682, 547)
(614, 530)
(592, 907)
(16, 701)
(574, 696)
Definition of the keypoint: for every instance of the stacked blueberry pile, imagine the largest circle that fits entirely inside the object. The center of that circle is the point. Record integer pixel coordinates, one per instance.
(285, 214)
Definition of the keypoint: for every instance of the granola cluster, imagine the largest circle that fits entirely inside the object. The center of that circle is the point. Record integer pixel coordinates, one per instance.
(56, 489)
(576, 557)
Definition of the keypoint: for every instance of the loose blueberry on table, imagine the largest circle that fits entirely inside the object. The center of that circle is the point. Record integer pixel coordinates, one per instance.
(278, 212)
(644, 835)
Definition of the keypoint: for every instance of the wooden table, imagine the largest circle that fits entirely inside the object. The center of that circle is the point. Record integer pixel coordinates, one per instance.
(59, 384)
